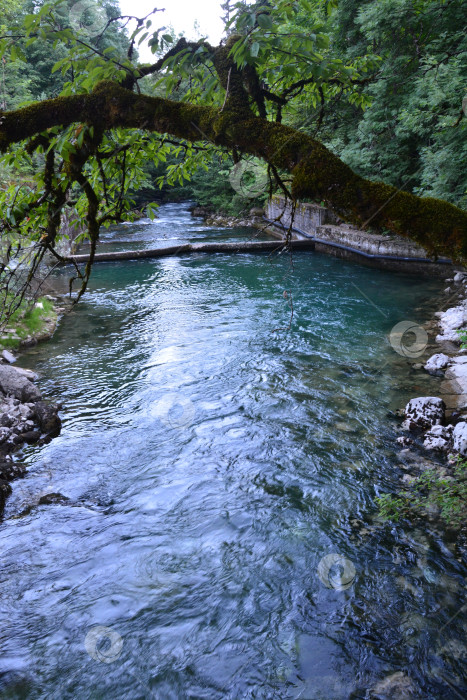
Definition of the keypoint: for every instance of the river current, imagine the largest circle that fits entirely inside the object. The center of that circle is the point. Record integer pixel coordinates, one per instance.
(218, 535)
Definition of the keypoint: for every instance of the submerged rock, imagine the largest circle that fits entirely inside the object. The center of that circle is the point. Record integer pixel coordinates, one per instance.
(396, 686)
(424, 412)
(51, 498)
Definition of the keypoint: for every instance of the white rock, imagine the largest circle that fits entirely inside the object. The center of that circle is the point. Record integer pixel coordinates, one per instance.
(424, 412)
(4, 434)
(432, 443)
(459, 276)
(8, 356)
(438, 437)
(457, 375)
(436, 363)
(404, 441)
(451, 321)
(459, 437)
(25, 411)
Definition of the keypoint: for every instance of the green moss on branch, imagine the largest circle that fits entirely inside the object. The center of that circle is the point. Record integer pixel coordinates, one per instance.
(317, 173)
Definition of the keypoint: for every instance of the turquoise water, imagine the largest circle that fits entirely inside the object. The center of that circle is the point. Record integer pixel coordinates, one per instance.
(211, 463)
(173, 226)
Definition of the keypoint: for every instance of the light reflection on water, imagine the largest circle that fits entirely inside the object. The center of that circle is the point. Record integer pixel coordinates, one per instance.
(210, 465)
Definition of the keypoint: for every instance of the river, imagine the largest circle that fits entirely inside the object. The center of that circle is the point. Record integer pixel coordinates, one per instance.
(212, 464)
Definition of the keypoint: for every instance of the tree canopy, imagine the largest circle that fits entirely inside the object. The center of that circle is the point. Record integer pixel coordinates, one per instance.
(286, 86)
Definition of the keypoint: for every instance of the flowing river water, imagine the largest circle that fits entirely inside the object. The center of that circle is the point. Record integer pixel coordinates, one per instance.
(211, 465)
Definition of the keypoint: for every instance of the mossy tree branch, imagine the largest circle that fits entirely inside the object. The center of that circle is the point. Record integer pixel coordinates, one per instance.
(316, 172)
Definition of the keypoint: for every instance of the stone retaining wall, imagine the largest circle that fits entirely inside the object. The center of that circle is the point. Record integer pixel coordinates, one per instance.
(350, 243)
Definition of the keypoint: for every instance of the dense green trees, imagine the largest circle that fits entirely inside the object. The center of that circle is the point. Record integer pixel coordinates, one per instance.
(412, 133)
(290, 72)
(403, 123)
(28, 66)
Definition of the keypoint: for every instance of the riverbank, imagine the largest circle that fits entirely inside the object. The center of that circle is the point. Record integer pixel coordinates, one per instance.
(433, 439)
(32, 323)
(25, 418)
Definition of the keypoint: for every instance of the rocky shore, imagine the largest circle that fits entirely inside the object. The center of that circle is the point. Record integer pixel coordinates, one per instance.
(442, 420)
(253, 218)
(434, 428)
(25, 419)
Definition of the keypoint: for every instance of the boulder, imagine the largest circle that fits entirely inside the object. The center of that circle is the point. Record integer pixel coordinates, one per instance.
(459, 438)
(404, 441)
(51, 498)
(13, 383)
(451, 321)
(438, 437)
(437, 363)
(5, 491)
(30, 437)
(6, 421)
(46, 416)
(459, 276)
(28, 373)
(10, 470)
(424, 412)
(4, 434)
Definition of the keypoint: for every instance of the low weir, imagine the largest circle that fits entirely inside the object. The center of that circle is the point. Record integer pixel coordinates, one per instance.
(191, 248)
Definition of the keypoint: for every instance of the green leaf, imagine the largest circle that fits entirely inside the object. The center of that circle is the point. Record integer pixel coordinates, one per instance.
(254, 49)
(265, 22)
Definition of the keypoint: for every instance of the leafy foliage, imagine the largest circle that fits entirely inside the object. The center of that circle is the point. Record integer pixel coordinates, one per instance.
(430, 490)
(411, 130)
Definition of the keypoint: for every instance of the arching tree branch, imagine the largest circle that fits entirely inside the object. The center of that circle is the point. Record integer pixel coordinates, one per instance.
(317, 173)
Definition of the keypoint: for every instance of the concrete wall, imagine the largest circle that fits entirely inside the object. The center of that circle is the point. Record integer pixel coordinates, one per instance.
(307, 216)
(329, 234)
